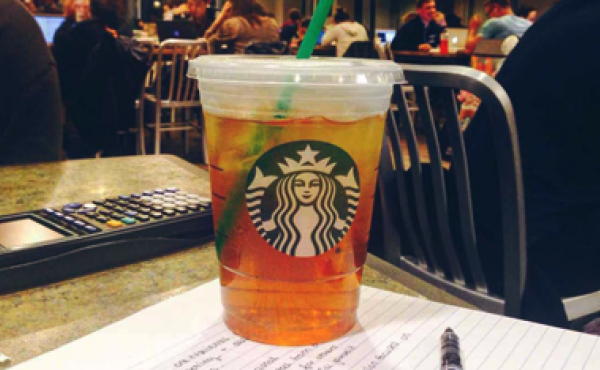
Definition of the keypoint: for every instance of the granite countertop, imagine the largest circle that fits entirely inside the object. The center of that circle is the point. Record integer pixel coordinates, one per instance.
(26, 188)
(37, 320)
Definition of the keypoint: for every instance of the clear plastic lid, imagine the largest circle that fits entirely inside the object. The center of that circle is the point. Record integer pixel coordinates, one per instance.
(288, 70)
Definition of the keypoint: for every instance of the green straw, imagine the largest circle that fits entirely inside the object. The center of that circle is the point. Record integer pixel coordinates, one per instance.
(314, 29)
(306, 49)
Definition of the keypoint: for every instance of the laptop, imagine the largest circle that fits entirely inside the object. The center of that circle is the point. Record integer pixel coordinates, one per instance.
(457, 38)
(49, 24)
(385, 35)
(320, 39)
(176, 30)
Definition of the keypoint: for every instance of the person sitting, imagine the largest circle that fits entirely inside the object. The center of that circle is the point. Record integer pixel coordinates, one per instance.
(344, 33)
(49, 7)
(241, 24)
(99, 79)
(294, 16)
(556, 123)
(30, 105)
(175, 10)
(199, 13)
(289, 29)
(528, 12)
(502, 23)
(421, 33)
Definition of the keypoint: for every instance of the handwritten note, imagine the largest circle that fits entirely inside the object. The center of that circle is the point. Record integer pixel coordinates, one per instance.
(395, 332)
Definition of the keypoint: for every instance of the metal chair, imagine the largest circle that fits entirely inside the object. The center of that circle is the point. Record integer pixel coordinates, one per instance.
(405, 222)
(409, 91)
(175, 92)
(410, 228)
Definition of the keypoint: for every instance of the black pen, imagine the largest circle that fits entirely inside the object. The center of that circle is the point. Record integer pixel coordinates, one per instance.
(450, 351)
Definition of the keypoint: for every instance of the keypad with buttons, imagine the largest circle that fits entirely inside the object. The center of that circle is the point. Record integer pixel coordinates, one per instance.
(125, 210)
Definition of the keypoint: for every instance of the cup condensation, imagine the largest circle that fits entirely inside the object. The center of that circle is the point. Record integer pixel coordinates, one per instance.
(294, 151)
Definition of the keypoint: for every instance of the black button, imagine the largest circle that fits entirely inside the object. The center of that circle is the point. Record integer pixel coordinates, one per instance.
(130, 213)
(181, 204)
(147, 193)
(116, 216)
(123, 203)
(68, 211)
(144, 210)
(69, 219)
(113, 199)
(142, 218)
(193, 201)
(134, 206)
(59, 215)
(49, 211)
(98, 202)
(147, 204)
(181, 210)
(109, 205)
(101, 219)
(169, 212)
(159, 191)
(169, 205)
(73, 205)
(157, 207)
(157, 196)
(79, 224)
(105, 212)
(91, 214)
(124, 197)
(118, 209)
(193, 207)
(171, 190)
(156, 214)
(137, 196)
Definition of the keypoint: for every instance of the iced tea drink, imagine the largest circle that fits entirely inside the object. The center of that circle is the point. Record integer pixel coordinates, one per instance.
(292, 199)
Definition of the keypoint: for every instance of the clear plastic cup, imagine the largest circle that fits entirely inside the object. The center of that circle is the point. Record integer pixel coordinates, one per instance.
(294, 151)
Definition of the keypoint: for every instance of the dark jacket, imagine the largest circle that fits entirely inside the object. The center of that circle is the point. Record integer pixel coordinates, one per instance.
(557, 127)
(414, 33)
(100, 83)
(30, 105)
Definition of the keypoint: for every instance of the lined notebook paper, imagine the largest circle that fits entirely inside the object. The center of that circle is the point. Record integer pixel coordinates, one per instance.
(395, 332)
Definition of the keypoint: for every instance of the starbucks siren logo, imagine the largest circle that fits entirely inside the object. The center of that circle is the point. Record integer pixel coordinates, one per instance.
(302, 197)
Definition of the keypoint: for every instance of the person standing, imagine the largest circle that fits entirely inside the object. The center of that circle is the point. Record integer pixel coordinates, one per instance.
(422, 32)
(344, 33)
(30, 105)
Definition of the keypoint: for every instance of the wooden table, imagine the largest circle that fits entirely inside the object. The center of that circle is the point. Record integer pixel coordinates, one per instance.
(38, 320)
(458, 58)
